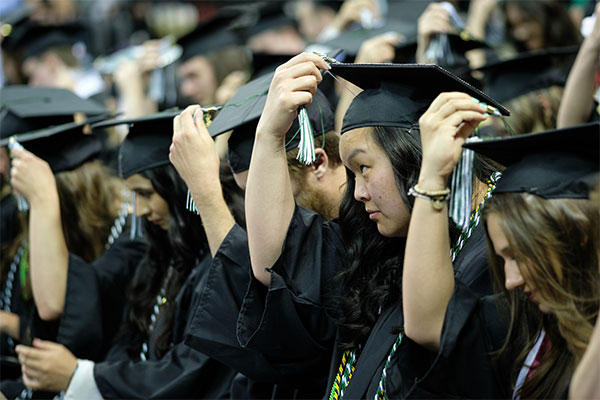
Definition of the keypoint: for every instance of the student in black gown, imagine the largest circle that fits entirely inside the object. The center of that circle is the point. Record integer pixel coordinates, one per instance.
(149, 359)
(319, 187)
(347, 276)
(543, 244)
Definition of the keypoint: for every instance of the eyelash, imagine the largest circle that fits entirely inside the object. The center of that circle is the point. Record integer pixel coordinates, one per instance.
(144, 194)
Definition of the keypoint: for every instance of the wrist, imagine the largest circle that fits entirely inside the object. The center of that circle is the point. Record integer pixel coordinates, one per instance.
(45, 198)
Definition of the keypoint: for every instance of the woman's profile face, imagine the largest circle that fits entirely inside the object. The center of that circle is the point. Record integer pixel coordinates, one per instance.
(374, 182)
(512, 268)
(148, 203)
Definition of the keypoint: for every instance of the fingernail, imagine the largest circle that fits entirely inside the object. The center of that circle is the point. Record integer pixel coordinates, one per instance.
(486, 115)
(475, 100)
(483, 105)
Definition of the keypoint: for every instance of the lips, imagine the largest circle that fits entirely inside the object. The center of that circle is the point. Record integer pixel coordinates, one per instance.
(373, 214)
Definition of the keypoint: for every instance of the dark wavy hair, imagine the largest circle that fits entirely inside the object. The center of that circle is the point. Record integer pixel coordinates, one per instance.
(180, 247)
(373, 278)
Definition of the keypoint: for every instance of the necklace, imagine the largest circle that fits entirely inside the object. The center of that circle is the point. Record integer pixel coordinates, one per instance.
(160, 300)
(118, 225)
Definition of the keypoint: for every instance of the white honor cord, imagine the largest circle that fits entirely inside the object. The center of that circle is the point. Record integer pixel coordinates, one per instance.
(527, 364)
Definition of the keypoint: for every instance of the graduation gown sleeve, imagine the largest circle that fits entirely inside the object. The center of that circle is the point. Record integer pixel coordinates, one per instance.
(182, 372)
(95, 300)
(292, 321)
(473, 329)
(213, 327)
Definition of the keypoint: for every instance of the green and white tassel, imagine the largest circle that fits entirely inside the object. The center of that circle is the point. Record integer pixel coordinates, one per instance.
(190, 204)
(136, 222)
(22, 204)
(306, 155)
(462, 189)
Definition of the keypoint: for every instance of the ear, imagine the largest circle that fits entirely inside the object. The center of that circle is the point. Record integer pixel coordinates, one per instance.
(319, 167)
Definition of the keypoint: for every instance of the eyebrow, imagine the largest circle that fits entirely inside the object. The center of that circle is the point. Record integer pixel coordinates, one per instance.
(354, 153)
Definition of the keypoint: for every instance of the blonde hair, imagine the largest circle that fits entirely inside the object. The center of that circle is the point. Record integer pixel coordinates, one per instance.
(556, 243)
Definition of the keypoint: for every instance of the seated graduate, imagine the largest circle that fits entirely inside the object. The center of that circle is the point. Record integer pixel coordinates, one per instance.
(318, 187)
(76, 215)
(347, 276)
(543, 247)
(149, 360)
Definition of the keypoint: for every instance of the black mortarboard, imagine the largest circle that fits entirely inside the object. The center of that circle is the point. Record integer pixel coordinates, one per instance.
(398, 94)
(37, 38)
(265, 16)
(242, 112)
(147, 144)
(263, 63)
(64, 147)
(562, 163)
(527, 72)
(210, 36)
(25, 108)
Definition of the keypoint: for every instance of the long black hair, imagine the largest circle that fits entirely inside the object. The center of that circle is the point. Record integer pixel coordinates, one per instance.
(181, 247)
(373, 279)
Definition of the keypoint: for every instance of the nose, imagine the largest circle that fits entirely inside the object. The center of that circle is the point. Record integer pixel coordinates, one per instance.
(360, 190)
(513, 277)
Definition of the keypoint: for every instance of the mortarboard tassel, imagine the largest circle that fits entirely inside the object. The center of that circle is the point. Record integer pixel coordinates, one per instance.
(22, 204)
(136, 223)
(462, 189)
(306, 155)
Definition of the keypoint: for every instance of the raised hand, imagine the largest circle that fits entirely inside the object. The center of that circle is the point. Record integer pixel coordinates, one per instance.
(444, 127)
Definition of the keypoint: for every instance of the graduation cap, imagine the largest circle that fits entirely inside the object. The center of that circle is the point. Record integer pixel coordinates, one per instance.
(398, 94)
(242, 112)
(146, 146)
(264, 63)
(561, 163)
(35, 38)
(25, 108)
(64, 147)
(210, 36)
(14, 19)
(527, 72)
(265, 16)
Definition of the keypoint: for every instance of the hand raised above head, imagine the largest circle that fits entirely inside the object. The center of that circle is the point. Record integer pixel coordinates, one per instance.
(193, 152)
(292, 86)
(444, 127)
(31, 176)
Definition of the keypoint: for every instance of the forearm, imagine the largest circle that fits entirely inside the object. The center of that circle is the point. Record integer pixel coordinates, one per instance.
(577, 102)
(269, 203)
(48, 257)
(584, 384)
(9, 324)
(428, 277)
(216, 216)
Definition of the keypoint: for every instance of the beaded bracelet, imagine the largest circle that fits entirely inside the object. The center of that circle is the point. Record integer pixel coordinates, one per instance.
(437, 197)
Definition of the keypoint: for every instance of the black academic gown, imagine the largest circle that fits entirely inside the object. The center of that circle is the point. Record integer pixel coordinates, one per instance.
(180, 373)
(466, 364)
(213, 330)
(293, 320)
(94, 301)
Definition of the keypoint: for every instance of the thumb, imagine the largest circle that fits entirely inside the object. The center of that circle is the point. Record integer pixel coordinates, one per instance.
(43, 344)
